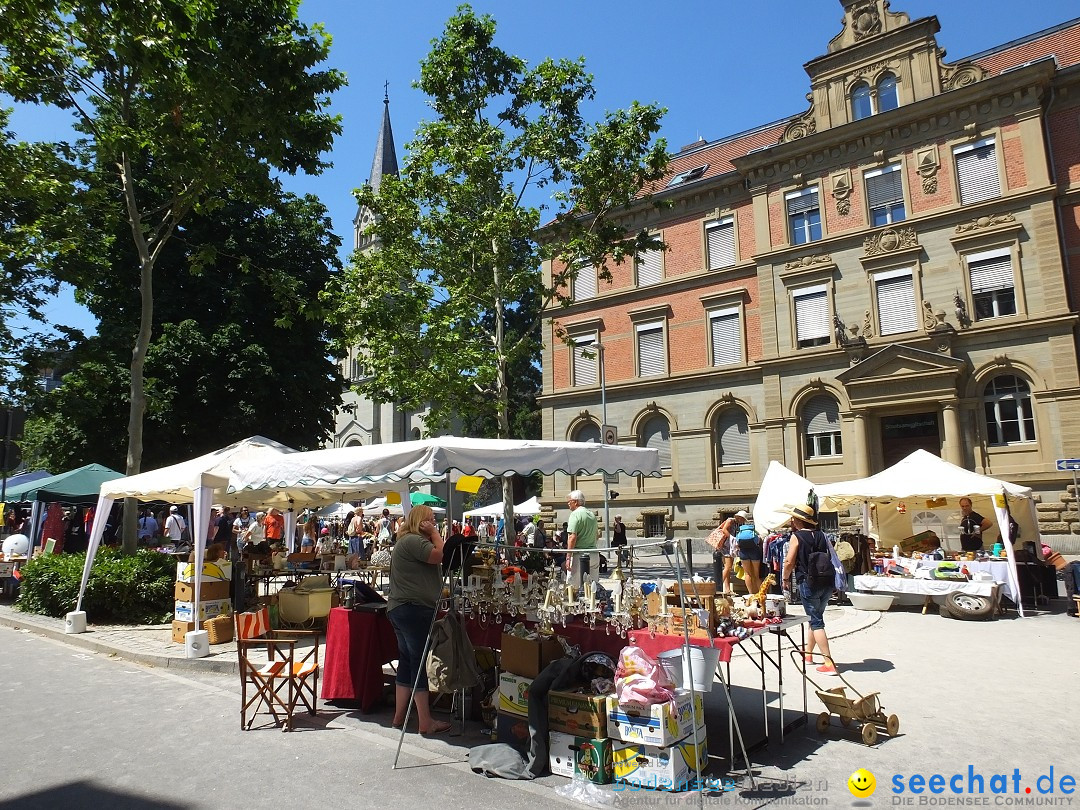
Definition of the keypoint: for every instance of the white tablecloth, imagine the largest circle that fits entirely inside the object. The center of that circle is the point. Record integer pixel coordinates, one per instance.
(998, 569)
(924, 587)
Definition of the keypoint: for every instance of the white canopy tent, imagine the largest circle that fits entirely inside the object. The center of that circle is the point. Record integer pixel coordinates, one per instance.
(780, 487)
(529, 507)
(920, 480)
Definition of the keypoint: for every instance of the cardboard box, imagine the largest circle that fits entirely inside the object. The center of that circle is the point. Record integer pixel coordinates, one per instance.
(514, 694)
(180, 629)
(217, 570)
(570, 755)
(513, 730)
(208, 609)
(579, 714)
(528, 658)
(657, 723)
(672, 768)
(215, 589)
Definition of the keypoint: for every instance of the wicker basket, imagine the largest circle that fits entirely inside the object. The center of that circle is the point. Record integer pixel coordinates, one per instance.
(219, 629)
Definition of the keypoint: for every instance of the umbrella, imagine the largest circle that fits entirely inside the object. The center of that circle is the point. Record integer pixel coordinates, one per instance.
(418, 498)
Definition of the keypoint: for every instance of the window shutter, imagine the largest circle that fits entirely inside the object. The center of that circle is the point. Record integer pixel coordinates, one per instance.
(721, 243)
(977, 170)
(991, 273)
(733, 438)
(896, 302)
(585, 283)
(648, 268)
(821, 415)
(812, 314)
(725, 337)
(650, 350)
(657, 435)
(800, 202)
(584, 367)
(884, 188)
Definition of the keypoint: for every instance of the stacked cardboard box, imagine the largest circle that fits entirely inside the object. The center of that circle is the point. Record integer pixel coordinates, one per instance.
(653, 745)
(521, 661)
(213, 596)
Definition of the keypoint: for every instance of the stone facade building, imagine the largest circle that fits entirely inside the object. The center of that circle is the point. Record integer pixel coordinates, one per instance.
(897, 267)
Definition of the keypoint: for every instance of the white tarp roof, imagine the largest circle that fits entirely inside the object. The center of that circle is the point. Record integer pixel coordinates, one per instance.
(780, 487)
(430, 460)
(920, 475)
(529, 507)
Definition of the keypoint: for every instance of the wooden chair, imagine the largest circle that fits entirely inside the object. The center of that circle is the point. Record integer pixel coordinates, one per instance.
(282, 679)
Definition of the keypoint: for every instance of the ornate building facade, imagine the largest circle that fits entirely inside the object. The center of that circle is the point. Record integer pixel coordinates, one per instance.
(894, 268)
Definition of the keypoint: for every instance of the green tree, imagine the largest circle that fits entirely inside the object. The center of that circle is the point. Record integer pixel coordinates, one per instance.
(243, 346)
(210, 94)
(457, 239)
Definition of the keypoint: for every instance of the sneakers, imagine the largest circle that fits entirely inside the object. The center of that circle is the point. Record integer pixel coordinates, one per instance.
(827, 669)
(808, 658)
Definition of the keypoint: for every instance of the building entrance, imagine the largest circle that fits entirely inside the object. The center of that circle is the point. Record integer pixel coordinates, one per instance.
(903, 435)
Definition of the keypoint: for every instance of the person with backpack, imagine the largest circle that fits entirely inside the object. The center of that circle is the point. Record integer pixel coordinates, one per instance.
(748, 548)
(721, 540)
(809, 563)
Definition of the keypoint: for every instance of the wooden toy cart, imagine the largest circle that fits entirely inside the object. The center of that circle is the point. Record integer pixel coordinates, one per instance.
(865, 711)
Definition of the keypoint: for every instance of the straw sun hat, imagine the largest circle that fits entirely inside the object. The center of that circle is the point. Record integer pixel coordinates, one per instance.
(804, 513)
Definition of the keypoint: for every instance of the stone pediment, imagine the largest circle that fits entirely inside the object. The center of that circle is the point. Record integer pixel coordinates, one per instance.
(902, 362)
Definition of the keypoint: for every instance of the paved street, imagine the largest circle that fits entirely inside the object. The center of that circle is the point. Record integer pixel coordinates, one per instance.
(83, 729)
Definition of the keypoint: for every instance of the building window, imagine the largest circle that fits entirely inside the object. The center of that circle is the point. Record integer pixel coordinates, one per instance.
(356, 369)
(977, 171)
(895, 291)
(649, 267)
(650, 347)
(861, 106)
(732, 437)
(992, 289)
(584, 282)
(866, 102)
(822, 419)
(657, 435)
(695, 173)
(725, 336)
(587, 432)
(885, 195)
(812, 317)
(720, 242)
(584, 365)
(804, 216)
(654, 526)
(1009, 418)
(886, 93)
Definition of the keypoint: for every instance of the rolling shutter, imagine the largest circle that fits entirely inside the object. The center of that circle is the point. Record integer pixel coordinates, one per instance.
(720, 236)
(584, 367)
(896, 302)
(650, 349)
(811, 313)
(883, 187)
(799, 202)
(733, 439)
(585, 283)
(977, 170)
(991, 271)
(657, 435)
(821, 415)
(648, 267)
(725, 337)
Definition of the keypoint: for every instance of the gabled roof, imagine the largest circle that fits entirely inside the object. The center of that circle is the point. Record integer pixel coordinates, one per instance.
(1061, 41)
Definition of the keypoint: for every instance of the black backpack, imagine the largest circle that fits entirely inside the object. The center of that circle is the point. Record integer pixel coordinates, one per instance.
(819, 567)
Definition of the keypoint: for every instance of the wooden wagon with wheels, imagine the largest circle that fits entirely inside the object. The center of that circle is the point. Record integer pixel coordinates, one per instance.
(864, 712)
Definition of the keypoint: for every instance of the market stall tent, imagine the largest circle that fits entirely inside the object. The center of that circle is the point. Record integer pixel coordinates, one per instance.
(921, 483)
(780, 487)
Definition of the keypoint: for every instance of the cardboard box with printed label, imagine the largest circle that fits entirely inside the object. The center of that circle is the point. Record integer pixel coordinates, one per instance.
(514, 694)
(649, 766)
(577, 713)
(528, 657)
(569, 755)
(180, 629)
(208, 609)
(213, 589)
(656, 723)
(217, 570)
(513, 730)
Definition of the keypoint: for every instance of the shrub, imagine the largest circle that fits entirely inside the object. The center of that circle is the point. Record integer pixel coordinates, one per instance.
(122, 589)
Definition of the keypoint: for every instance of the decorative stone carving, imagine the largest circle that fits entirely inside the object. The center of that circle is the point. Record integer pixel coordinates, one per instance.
(801, 127)
(867, 325)
(928, 165)
(841, 191)
(961, 311)
(961, 74)
(988, 221)
(865, 21)
(888, 240)
(816, 382)
(929, 182)
(809, 261)
(1001, 359)
(929, 321)
(838, 330)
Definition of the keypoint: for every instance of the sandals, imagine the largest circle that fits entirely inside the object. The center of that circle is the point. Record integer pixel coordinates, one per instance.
(438, 727)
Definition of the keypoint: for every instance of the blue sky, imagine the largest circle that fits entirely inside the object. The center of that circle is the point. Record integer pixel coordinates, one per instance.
(718, 67)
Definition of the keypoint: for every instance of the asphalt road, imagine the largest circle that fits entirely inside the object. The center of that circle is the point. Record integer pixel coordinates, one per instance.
(84, 730)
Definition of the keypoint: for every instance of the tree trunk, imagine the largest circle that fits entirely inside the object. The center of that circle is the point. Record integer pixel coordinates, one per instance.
(502, 394)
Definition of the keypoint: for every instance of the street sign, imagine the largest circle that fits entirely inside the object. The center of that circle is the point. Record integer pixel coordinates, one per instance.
(1068, 464)
(611, 478)
(610, 434)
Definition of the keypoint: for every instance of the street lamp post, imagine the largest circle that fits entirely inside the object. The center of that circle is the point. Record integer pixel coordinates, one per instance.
(603, 410)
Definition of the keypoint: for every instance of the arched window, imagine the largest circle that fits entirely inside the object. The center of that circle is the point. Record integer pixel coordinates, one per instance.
(861, 106)
(886, 93)
(1007, 404)
(732, 439)
(657, 435)
(587, 432)
(416, 434)
(821, 416)
(354, 443)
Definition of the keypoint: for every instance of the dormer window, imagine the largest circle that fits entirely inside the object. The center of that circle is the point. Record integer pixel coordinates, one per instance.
(867, 101)
(685, 177)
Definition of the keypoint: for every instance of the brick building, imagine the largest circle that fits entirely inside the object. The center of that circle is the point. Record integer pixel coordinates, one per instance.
(894, 268)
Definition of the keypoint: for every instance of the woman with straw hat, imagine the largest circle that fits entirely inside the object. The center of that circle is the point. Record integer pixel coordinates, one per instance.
(805, 539)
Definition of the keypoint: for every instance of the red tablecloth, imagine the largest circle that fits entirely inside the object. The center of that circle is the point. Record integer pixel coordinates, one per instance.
(588, 639)
(654, 645)
(358, 643)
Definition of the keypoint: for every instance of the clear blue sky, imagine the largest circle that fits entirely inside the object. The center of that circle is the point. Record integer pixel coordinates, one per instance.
(718, 67)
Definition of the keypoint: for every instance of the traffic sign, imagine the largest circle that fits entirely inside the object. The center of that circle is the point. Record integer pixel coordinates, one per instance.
(610, 434)
(1068, 464)
(611, 478)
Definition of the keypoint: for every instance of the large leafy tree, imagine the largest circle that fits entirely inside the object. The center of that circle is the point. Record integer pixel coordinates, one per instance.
(209, 94)
(243, 346)
(451, 298)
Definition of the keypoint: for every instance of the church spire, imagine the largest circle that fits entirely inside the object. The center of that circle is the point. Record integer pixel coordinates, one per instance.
(385, 162)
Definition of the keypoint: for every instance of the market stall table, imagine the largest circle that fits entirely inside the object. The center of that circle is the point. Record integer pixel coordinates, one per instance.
(358, 643)
(588, 639)
(996, 568)
(928, 588)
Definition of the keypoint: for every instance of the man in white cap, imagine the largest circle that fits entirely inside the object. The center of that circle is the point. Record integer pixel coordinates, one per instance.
(175, 526)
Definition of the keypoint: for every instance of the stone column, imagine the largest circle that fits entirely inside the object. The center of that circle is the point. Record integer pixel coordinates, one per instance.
(862, 445)
(953, 451)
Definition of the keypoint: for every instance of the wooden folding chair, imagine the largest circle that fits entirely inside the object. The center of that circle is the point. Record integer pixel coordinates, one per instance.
(284, 678)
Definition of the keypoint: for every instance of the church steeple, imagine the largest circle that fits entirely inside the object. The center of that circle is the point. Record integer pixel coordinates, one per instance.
(383, 165)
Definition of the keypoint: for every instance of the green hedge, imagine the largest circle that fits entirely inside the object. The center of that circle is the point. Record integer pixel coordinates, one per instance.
(123, 589)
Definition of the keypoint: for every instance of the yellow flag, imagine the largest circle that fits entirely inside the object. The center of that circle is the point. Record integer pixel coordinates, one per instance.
(393, 498)
(469, 483)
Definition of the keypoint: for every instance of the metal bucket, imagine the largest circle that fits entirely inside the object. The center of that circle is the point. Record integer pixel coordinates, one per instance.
(700, 669)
